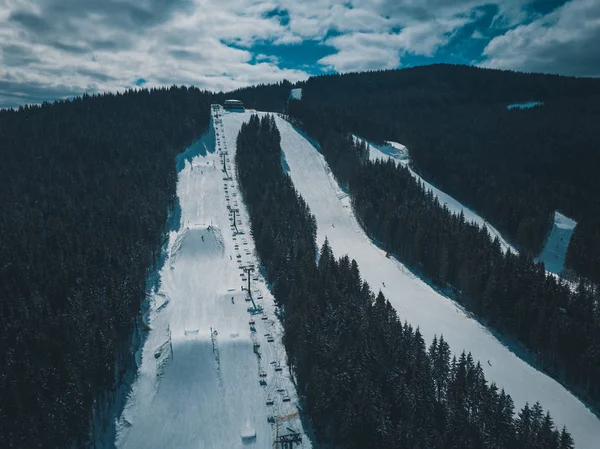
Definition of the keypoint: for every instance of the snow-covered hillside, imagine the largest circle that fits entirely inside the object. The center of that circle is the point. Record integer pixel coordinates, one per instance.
(399, 153)
(296, 94)
(555, 250)
(212, 374)
(420, 304)
(526, 105)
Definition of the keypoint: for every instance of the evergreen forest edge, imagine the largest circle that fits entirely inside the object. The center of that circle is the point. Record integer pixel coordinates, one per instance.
(69, 215)
(558, 325)
(366, 379)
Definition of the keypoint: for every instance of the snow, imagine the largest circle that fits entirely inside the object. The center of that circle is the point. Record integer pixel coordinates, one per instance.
(296, 94)
(527, 105)
(555, 250)
(205, 391)
(417, 302)
(248, 432)
(400, 154)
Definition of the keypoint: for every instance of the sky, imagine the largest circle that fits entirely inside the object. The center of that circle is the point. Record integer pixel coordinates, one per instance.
(51, 49)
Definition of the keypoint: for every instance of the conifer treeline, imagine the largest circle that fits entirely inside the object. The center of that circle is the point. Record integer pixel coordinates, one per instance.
(86, 188)
(514, 167)
(368, 380)
(515, 296)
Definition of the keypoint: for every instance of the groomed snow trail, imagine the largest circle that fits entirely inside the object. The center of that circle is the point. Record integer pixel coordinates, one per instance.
(207, 392)
(555, 250)
(400, 154)
(418, 303)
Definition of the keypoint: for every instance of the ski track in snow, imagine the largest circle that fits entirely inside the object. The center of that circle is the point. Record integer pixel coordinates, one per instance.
(555, 250)
(400, 154)
(199, 395)
(296, 94)
(417, 302)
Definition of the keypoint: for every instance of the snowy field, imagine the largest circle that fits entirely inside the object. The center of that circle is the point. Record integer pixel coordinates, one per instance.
(527, 105)
(400, 154)
(296, 94)
(212, 374)
(417, 302)
(555, 250)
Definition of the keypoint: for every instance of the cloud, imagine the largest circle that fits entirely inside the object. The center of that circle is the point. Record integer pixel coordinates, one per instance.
(69, 47)
(371, 51)
(55, 48)
(564, 41)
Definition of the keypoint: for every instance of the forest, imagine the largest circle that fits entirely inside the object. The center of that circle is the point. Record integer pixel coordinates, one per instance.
(87, 187)
(559, 325)
(514, 167)
(366, 378)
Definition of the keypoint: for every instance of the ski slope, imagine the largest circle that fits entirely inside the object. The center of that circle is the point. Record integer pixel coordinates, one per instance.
(420, 304)
(296, 94)
(199, 381)
(526, 105)
(555, 250)
(399, 153)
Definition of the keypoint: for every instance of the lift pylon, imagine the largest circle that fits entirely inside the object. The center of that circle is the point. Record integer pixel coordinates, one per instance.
(286, 441)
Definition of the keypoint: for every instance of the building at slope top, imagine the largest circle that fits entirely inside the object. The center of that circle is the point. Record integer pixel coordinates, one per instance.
(233, 105)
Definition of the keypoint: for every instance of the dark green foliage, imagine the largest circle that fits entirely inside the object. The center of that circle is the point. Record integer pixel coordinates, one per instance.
(515, 296)
(86, 188)
(515, 167)
(367, 379)
(263, 97)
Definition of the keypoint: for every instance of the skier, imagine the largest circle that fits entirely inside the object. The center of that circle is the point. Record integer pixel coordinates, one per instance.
(232, 301)
(332, 225)
(489, 363)
(383, 284)
(230, 258)
(202, 237)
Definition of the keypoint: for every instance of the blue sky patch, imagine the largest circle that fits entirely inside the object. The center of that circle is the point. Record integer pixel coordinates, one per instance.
(296, 56)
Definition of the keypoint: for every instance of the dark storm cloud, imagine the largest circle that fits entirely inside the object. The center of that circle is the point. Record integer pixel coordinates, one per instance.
(139, 13)
(16, 55)
(184, 54)
(77, 49)
(564, 41)
(30, 22)
(107, 44)
(96, 75)
(67, 16)
(15, 93)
